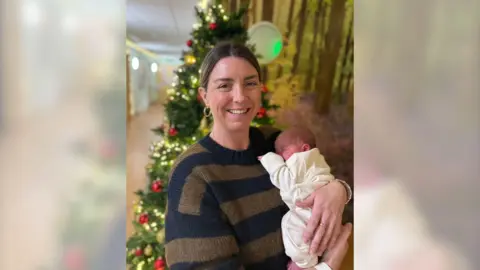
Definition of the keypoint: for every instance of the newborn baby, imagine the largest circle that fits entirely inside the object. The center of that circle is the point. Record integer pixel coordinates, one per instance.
(297, 169)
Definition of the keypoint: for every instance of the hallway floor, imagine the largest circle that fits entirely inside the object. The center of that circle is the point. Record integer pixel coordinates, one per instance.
(139, 138)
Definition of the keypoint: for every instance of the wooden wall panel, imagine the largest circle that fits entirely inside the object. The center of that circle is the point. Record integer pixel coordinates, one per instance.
(308, 25)
(267, 15)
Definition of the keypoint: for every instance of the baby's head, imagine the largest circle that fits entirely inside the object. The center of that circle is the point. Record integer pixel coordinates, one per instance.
(294, 140)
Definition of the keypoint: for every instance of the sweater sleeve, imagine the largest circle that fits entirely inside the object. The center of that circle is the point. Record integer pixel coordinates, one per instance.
(197, 234)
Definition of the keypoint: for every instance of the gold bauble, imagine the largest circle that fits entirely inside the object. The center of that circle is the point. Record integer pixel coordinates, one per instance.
(189, 59)
(161, 235)
(148, 250)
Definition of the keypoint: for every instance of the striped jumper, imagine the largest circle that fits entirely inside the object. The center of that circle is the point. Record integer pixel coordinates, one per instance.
(223, 211)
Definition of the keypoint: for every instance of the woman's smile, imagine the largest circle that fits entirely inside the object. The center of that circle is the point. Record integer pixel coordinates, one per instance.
(238, 111)
(239, 116)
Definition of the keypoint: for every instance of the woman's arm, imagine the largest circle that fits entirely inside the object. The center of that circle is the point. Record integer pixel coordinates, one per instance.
(348, 190)
(197, 235)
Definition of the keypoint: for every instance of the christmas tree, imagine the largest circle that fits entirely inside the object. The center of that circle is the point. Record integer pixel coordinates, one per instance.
(185, 124)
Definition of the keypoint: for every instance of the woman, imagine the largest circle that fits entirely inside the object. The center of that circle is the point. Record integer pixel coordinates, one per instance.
(223, 212)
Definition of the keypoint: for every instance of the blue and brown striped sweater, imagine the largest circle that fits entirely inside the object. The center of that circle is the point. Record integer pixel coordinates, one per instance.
(223, 212)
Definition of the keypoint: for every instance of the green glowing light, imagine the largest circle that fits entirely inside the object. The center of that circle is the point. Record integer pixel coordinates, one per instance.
(277, 48)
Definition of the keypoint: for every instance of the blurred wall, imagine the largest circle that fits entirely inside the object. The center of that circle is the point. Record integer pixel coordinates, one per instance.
(150, 76)
(143, 80)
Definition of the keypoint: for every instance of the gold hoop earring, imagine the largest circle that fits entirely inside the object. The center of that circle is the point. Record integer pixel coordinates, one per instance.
(207, 111)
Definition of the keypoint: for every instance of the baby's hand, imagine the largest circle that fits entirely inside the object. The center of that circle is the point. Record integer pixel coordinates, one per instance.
(260, 157)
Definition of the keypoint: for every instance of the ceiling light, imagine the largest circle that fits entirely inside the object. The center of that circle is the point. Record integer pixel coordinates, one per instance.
(154, 67)
(135, 63)
(32, 13)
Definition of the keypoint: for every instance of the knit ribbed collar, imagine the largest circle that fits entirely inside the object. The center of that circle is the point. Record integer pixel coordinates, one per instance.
(227, 155)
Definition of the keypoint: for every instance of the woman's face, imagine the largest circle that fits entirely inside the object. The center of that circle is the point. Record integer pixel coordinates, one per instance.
(233, 93)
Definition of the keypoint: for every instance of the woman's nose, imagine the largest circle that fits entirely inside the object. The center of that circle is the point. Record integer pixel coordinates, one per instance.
(238, 93)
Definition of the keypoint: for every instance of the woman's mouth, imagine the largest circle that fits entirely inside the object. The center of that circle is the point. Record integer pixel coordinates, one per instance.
(238, 111)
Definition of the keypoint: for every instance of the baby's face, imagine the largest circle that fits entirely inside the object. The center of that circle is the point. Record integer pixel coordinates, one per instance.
(292, 149)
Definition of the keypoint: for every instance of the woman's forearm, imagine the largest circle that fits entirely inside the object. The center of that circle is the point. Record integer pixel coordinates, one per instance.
(347, 188)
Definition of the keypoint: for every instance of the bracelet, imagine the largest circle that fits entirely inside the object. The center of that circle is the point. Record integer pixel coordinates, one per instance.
(347, 188)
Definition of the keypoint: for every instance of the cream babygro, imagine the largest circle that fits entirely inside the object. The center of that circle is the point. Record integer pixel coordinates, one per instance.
(297, 178)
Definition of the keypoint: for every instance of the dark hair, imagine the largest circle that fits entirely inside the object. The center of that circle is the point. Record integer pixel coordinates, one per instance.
(222, 50)
(293, 135)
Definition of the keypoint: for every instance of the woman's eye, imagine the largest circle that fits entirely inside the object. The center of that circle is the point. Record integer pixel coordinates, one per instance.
(224, 87)
(252, 84)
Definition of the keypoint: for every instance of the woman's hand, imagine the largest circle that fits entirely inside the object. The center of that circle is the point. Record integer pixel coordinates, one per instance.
(335, 254)
(324, 227)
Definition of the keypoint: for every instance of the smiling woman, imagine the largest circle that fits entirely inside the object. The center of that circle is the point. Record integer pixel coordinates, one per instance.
(223, 212)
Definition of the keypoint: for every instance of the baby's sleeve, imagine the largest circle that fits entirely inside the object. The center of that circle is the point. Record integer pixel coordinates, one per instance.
(322, 170)
(280, 174)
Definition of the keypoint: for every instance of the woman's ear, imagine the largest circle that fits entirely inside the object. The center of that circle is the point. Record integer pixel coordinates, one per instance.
(202, 94)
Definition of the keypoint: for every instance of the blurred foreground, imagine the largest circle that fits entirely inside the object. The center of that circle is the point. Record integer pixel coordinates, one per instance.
(62, 144)
(417, 131)
(62, 135)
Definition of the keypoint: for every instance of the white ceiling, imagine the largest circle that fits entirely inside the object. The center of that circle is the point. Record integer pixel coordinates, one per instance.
(160, 26)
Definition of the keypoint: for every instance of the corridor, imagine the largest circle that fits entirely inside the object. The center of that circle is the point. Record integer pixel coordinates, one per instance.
(139, 137)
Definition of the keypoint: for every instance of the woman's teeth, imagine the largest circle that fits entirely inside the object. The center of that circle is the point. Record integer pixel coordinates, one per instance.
(238, 111)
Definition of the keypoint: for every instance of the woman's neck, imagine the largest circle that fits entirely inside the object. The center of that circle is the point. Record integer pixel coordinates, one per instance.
(232, 140)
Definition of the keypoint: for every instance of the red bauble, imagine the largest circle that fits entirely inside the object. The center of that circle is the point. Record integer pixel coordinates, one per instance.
(157, 186)
(172, 132)
(138, 252)
(199, 98)
(261, 113)
(264, 89)
(143, 218)
(159, 264)
(212, 26)
(189, 43)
